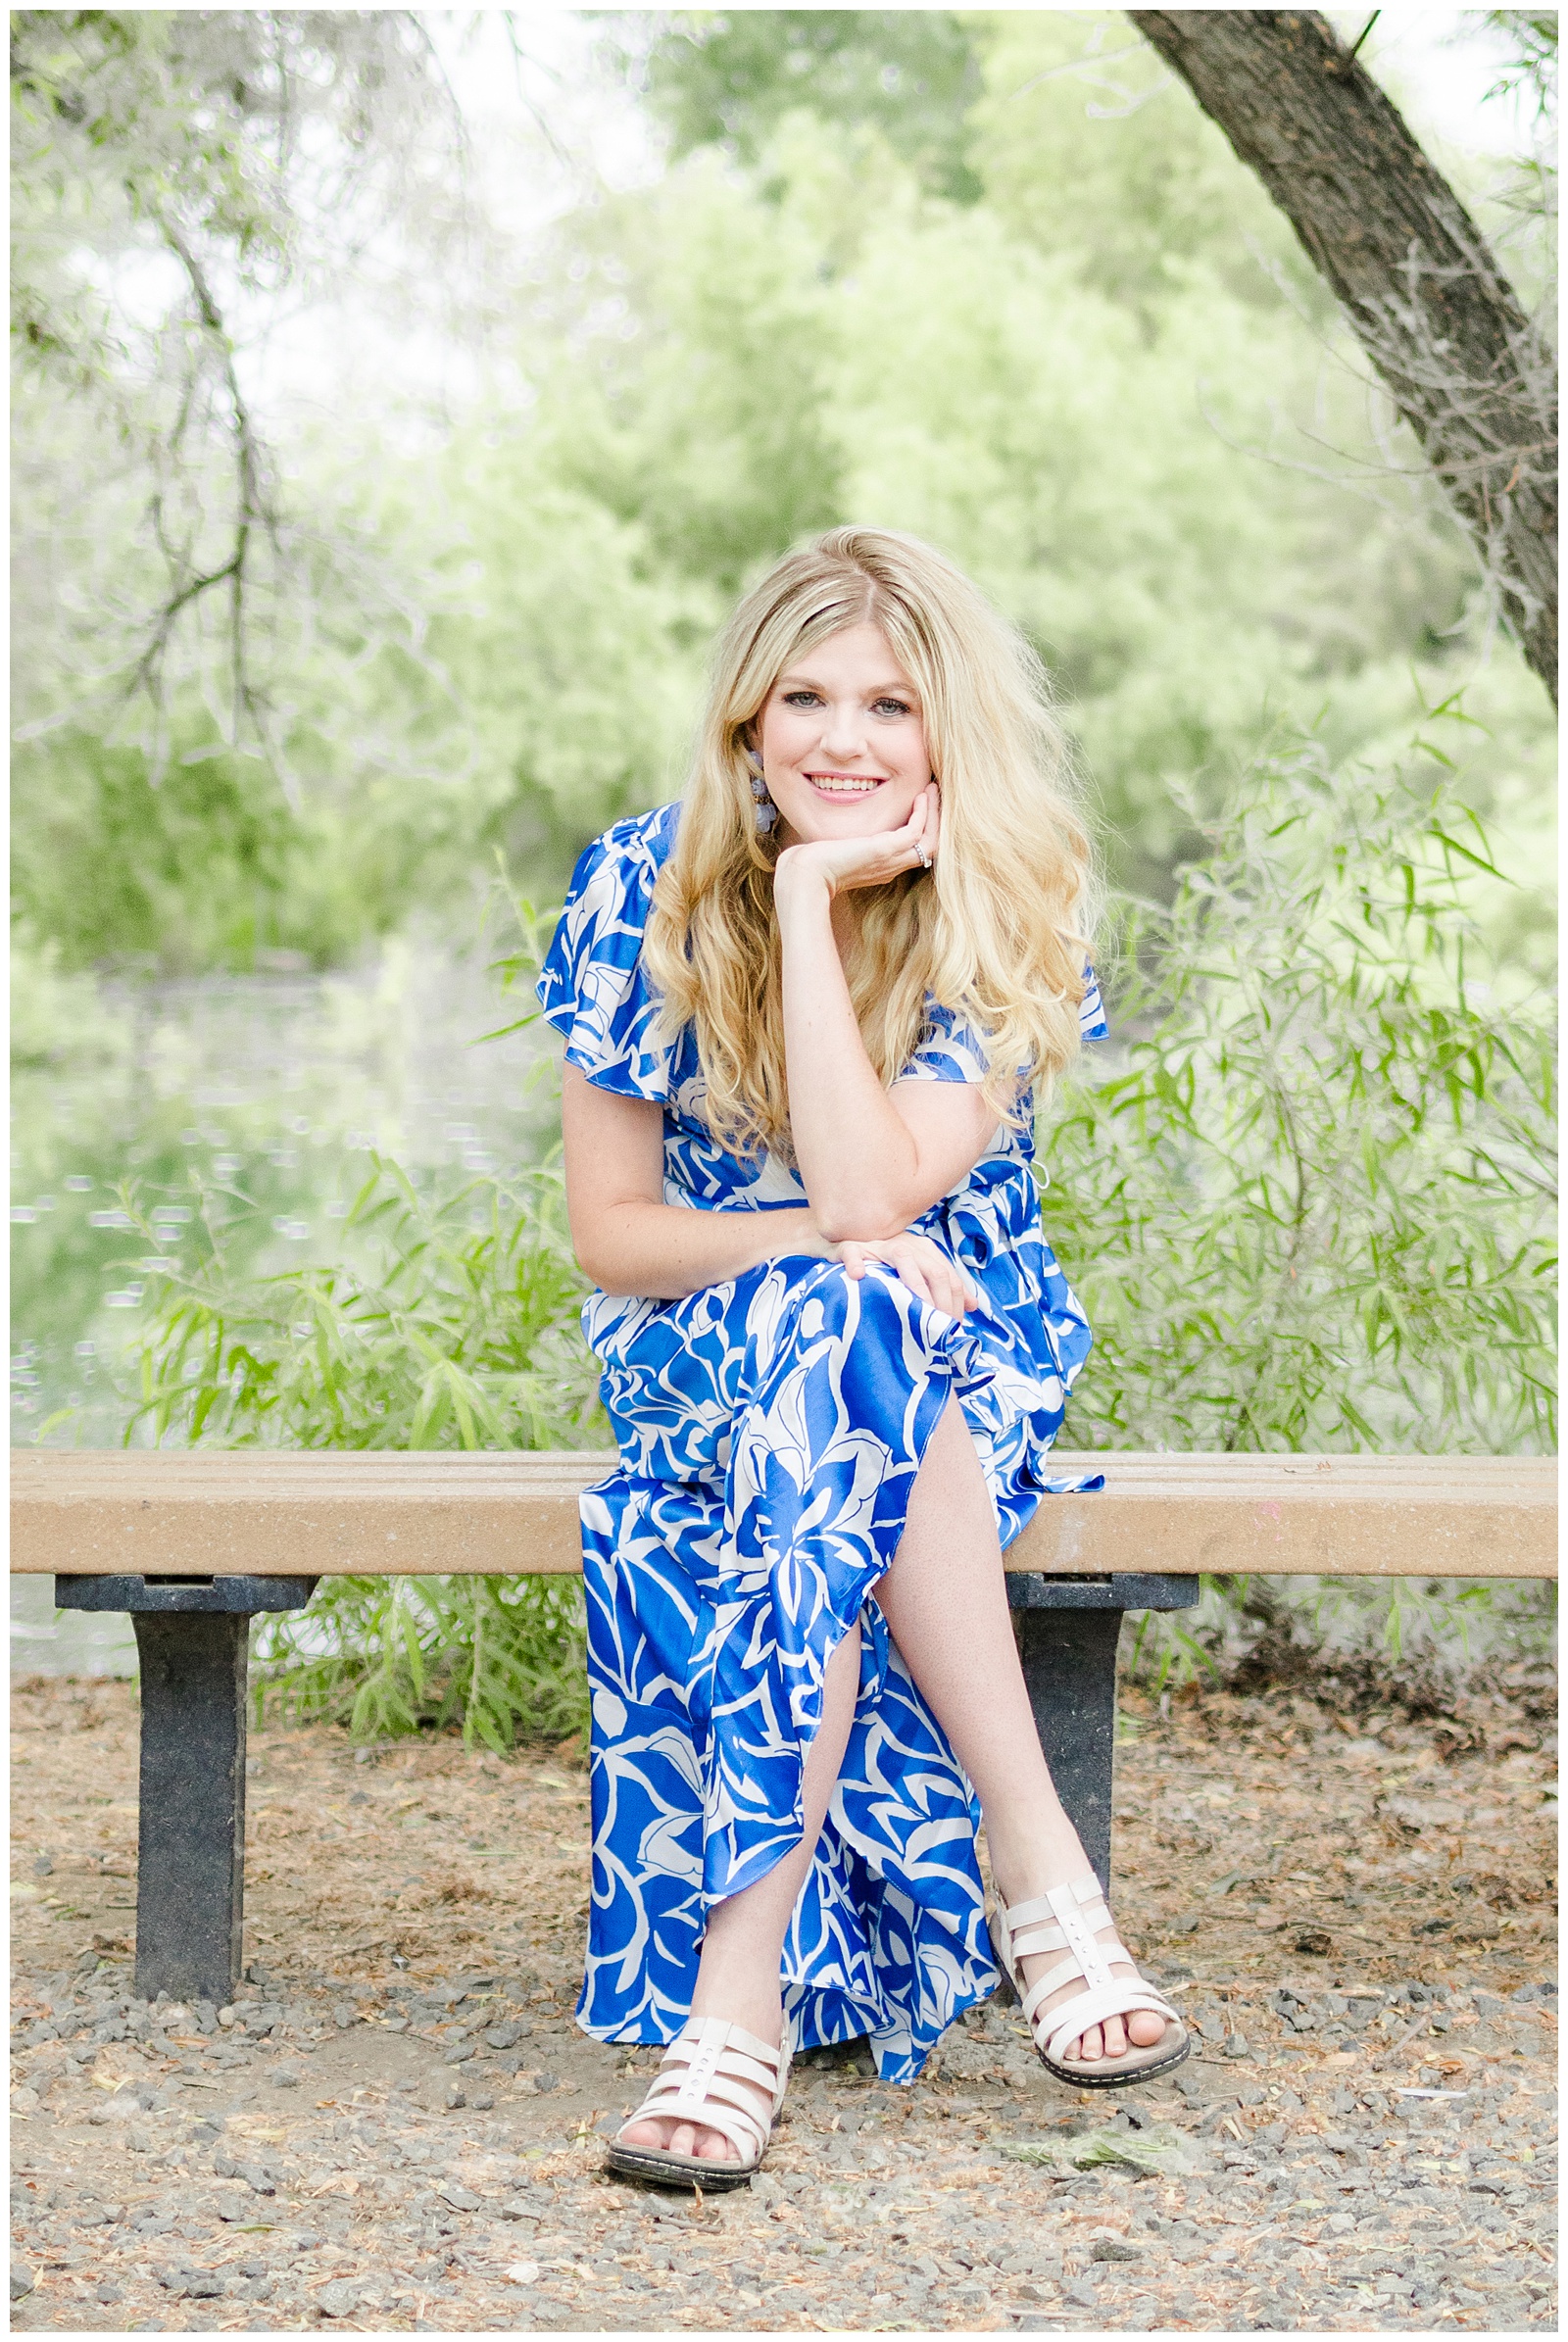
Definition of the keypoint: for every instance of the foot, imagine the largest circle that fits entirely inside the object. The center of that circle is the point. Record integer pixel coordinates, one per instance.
(1101, 2043)
(695, 2138)
(1098, 2044)
(692, 2139)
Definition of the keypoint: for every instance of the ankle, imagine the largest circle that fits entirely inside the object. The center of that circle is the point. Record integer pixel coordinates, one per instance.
(1032, 1862)
(737, 2002)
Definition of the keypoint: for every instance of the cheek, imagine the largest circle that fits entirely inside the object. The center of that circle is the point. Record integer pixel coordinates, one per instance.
(781, 733)
(914, 759)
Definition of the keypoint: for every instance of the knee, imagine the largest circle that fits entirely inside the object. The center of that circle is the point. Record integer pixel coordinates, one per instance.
(837, 1297)
(828, 1302)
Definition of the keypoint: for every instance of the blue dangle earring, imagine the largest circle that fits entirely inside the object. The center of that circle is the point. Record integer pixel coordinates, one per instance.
(766, 810)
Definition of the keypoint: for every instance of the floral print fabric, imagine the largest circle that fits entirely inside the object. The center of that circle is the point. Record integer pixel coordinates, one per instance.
(770, 1429)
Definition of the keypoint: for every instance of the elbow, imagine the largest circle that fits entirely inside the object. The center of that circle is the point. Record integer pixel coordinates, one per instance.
(857, 1219)
(595, 1259)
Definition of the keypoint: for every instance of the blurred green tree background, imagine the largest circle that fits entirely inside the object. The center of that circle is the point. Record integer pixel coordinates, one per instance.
(989, 276)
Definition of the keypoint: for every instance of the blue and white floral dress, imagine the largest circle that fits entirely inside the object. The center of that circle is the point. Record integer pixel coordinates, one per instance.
(770, 1427)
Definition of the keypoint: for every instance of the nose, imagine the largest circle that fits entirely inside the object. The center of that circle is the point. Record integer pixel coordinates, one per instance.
(843, 731)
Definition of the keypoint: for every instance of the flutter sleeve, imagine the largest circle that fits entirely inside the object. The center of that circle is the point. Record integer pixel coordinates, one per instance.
(953, 1051)
(593, 988)
(1092, 1024)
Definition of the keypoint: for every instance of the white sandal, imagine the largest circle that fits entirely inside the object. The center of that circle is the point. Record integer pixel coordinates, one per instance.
(711, 2074)
(1070, 1919)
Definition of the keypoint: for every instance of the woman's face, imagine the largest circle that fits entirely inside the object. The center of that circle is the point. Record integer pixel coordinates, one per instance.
(843, 741)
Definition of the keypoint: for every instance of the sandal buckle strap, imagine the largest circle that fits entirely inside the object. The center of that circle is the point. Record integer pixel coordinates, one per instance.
(1092, 1964)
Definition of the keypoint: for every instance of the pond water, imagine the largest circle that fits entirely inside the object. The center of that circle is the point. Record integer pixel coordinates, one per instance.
(272, 1089)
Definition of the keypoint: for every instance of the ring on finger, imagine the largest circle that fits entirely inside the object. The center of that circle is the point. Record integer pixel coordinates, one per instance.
(921, 855)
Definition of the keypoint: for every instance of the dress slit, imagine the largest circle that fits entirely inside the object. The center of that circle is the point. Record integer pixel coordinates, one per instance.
(776, 1556)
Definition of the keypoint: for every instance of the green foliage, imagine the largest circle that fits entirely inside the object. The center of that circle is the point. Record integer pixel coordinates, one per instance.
(1310, 1205)
(710, 427)
(910, 74)
(1103, 380)
(1532, 37)
(502, 1657)
(1092, 150)
(192, 872)
(173, 170)
(571, 651)
(450, 1323)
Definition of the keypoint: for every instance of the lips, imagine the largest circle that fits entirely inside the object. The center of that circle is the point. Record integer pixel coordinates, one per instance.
(845, 784)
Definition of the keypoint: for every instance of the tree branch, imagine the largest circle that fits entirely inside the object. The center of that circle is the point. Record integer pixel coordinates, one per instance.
(1469, 371)
(252, 509)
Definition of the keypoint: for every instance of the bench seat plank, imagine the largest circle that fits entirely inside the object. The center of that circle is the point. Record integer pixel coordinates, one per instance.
(331, 1513)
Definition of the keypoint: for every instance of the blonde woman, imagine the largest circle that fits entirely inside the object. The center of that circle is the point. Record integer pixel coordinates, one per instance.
(807, 1014)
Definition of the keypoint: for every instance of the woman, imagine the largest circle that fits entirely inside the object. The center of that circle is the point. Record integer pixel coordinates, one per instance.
(807, 1012)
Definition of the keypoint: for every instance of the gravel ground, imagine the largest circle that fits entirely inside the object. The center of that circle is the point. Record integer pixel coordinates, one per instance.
(395, 2126)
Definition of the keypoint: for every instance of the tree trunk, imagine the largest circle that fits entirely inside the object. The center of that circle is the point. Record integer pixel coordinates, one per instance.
(1434, 311)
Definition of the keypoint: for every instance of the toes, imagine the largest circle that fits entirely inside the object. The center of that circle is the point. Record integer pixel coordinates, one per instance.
(1091, 2046)
(1146, 2028)
(714, 2147)
(1115, 2038)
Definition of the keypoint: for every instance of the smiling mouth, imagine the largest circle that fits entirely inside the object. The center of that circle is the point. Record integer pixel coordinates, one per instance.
(845, 784)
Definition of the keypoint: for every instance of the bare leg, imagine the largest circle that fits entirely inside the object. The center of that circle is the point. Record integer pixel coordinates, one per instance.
(738, 1975)
(945, 1599)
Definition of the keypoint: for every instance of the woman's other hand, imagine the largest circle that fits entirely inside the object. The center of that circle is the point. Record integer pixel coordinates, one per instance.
(842, 863)
(916, 1262)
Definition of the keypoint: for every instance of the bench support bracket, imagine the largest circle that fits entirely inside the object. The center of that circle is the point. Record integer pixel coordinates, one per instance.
(1068, 1631)
(192, 1640)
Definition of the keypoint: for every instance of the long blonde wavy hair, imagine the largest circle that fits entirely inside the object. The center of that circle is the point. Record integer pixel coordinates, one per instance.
(996, 932)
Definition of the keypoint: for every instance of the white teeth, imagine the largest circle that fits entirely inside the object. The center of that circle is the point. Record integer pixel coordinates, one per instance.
(836, 788)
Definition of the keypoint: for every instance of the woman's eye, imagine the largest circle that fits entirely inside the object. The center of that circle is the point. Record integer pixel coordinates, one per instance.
(891, 706)
(799, 699)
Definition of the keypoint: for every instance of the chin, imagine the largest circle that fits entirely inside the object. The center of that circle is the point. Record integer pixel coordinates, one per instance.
(816, 821)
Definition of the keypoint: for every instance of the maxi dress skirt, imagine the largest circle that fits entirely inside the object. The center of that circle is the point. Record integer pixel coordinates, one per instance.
(770, 1429)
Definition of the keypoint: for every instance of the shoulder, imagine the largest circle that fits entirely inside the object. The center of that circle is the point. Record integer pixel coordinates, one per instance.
(625, 858)
(592, 987)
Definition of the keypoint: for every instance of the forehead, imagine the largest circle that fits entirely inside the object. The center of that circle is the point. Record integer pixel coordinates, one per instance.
(855, 658)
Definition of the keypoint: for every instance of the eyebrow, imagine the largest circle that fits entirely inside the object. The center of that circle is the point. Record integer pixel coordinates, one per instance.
(792, 680)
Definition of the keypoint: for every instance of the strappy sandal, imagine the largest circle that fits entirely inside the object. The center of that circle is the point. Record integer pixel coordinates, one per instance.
(711, 2074)
(1070, 1919)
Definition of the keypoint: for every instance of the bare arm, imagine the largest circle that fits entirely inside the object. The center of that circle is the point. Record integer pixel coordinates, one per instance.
(871, 1160)
(629, 1241)
(624, 1233)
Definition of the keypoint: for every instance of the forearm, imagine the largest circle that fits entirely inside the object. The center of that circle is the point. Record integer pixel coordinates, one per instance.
(857, 1159)
(665, 1251)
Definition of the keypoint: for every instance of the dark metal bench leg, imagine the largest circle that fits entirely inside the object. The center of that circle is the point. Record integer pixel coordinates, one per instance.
(1067, 1629)
(1069, 1666)
(190, 1887)
(192, 1635)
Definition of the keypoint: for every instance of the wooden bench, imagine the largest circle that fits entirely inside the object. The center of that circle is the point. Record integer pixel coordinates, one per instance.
(193, 1544)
